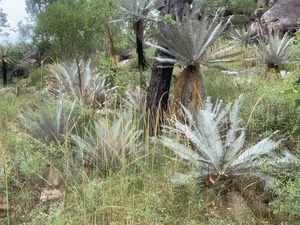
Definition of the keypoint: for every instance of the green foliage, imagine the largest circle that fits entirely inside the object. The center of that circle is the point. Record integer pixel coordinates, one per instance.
(73, 27)
(298, 36)
(234, 6)
(296, 91)
(287, 197)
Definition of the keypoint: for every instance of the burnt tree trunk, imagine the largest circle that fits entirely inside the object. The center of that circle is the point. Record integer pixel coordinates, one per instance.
(139, 33)
(4, 71)
(158, 90)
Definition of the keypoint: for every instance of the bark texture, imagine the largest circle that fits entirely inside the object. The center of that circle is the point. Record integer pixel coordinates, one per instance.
(188, 91)
(158, 90)
(4, 71)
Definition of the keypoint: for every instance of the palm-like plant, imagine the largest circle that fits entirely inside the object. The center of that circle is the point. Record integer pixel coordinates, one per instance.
(216, 152)
(52, 128)
(138, 11)
(275, 52)
(242, 35)
(188, 42)
(80, 81)
(107, 144)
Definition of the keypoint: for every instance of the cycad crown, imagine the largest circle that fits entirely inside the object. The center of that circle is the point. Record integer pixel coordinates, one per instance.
(107, 144)
(52, 128)
(275, 52)
(80, 81)
(135, 10)
(216, 152)
(189, 41)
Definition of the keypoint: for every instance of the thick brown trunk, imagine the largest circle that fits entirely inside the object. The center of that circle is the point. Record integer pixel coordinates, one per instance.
(158, 90)
(188, 91)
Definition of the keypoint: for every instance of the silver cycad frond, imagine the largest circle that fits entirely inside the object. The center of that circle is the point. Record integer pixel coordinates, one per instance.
(107, 144)
(135, 10)
(44, 125)
(242, 35)
(217, 144)
(81, 82)
(189, 40)
(276, 51)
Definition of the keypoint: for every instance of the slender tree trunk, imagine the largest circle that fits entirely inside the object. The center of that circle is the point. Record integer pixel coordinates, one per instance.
(158, 90)
(139, 33)
(4, 71)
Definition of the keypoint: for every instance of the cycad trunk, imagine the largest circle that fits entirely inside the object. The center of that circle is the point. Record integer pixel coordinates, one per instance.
(158, 90)
(4, 71)
(188, 91)
(139, 33)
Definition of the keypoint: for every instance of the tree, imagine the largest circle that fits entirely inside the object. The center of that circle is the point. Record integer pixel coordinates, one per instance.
(188, 43)
(73, 27)
(138, 11)
(3, 20)
(158, 90)
(34, 7)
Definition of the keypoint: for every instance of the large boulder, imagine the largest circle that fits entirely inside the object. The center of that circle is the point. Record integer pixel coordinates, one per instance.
(30, 60)
(283, 17)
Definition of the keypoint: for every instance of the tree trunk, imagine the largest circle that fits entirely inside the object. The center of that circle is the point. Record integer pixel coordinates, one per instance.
(139, 33)
(188, 91)
(158, 90)
(4, 71)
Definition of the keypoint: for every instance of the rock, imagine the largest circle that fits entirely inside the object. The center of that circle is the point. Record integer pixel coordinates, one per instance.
(283, 17)
(51, 177)
(123, 63)
(49, 194)
(27, 89)
(30, 60)
(126, 55)
(8, 92)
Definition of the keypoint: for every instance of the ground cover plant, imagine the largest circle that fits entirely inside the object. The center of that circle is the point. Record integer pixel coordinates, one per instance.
(78, 159)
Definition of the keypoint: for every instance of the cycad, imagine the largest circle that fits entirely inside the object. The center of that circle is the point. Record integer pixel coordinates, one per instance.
(106, 145)
(275, 52)
(188, 42)
(242, 35)
(81, 82)
(215, 152)
(51, 128)
(138, 11)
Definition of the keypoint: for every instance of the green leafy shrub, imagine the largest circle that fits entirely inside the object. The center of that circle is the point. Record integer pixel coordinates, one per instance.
(287, 198)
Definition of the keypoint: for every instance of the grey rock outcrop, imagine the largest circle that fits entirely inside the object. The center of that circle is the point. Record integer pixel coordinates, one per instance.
(30, 60)
(283, 17)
